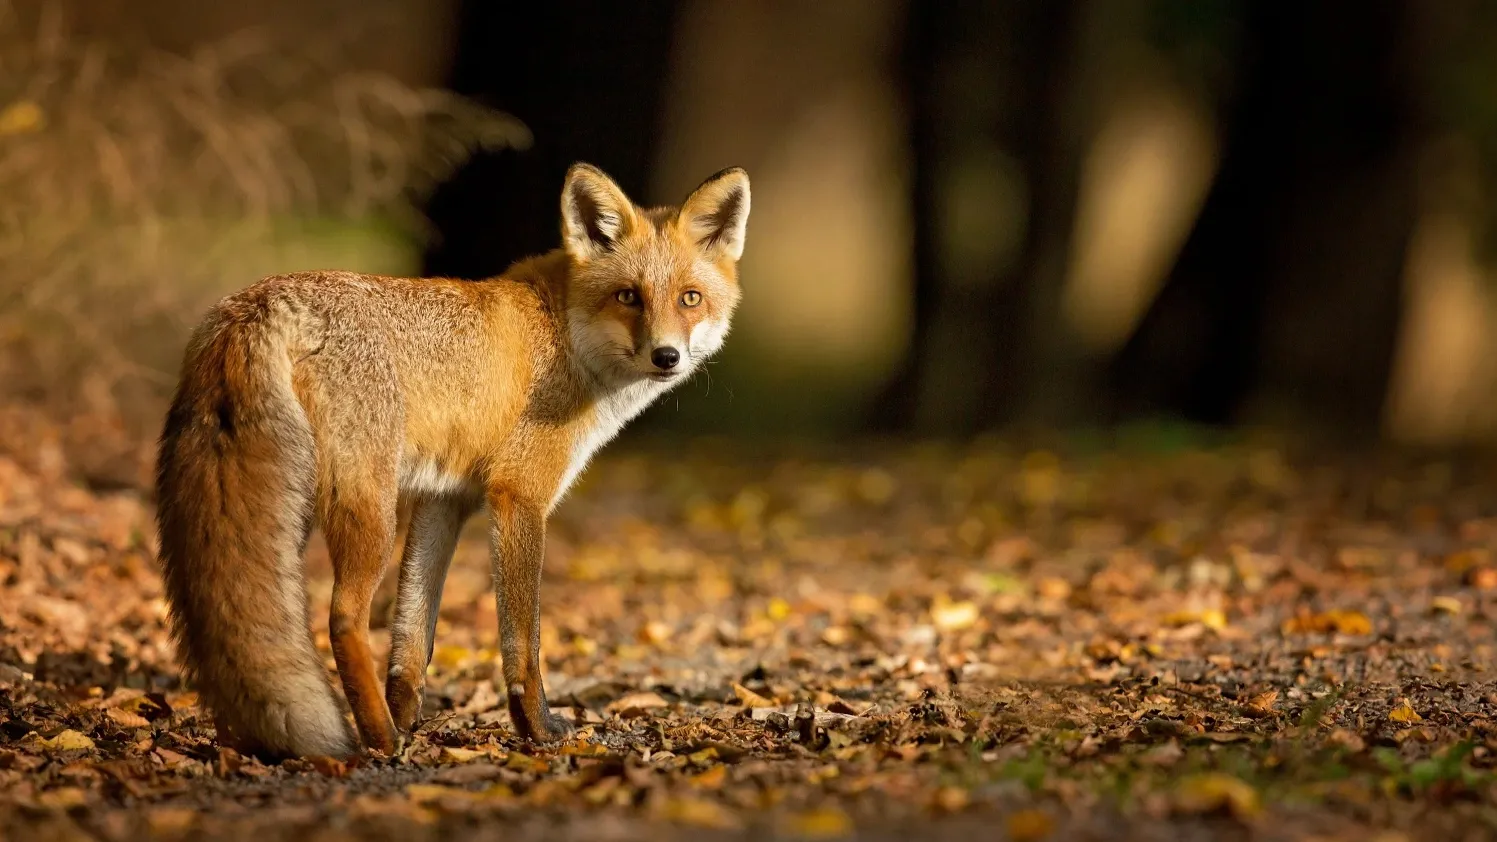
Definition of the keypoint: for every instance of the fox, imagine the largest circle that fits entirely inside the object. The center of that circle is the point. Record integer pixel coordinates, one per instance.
(328, 399)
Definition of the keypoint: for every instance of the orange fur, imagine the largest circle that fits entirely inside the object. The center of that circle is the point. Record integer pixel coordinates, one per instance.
(328, 397)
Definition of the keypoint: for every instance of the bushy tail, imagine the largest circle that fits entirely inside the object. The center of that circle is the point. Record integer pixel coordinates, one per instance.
(236, 485)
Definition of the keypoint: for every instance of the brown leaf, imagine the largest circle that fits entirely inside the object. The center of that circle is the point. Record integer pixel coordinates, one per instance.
(328, 766)
(1342, 622)
(1260, 705)
(126, 719)
(1029, 825)
(750, 699)
(643, 701)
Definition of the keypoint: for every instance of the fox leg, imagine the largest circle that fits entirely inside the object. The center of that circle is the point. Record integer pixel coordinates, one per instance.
(430, 541)
(518, 537)
(360, 530)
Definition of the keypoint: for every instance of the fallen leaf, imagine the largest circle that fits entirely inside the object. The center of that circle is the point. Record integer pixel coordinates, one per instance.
(1215, 791)
(63, 798)
(1029, 825)
(713, 778)
(1211, 618)
(68, 740)
(126, 719)
(646, 700)
(823, 823)
(953, 616)
(331, 767)
(697, 812)
(950, 799)
(1404, 712)
(1261, 705)
(1342, 622)
(1446, 605)
(454, 754)
(750, 699)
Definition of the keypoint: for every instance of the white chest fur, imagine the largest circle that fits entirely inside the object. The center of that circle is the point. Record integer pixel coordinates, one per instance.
(610, 414)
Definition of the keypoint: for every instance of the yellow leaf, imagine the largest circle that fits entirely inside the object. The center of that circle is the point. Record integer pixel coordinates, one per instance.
(526, 763)
(63, 798)
(1216, 791)
(436, 793)
(823, 823)
(21, 117)
(654, 633)
(453, 754)
(1211, 618)
(697, 812)
(703, 757)
(778, 609)
(711, 779)
(1343, 622)
(171, 821)
(452, 657)
(951, 798)
(751, 699)
(1446, 604)
(69, 740)
(953, 616)
(1404, 712)
(1030, 825)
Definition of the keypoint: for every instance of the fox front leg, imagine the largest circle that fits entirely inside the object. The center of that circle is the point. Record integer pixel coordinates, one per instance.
(518, 539)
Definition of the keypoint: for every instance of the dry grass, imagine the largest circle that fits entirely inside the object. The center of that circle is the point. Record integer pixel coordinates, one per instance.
(136, 187)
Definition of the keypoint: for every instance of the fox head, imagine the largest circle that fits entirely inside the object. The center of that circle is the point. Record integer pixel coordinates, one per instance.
(651, 291)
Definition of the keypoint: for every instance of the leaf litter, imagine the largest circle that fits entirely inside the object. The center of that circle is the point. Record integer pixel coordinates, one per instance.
(931, 640)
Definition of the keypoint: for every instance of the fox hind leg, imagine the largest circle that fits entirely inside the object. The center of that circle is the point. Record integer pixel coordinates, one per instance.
(431, 539)
(360, 531)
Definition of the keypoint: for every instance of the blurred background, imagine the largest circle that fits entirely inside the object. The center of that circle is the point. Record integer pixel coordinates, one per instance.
(968, 216)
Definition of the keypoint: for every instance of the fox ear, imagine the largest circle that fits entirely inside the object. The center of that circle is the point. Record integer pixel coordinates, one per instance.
(595, 213)
(715, 215)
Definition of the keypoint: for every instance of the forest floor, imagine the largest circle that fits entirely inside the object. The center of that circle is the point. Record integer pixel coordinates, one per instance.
(874, 642)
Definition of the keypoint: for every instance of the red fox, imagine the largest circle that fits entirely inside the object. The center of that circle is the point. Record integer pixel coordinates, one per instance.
(327, 397)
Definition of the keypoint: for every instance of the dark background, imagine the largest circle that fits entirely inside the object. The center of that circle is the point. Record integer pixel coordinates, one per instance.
(979, 215)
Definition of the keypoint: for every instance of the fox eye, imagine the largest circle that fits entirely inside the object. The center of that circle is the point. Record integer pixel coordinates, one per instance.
(627, 296)
(691, 298)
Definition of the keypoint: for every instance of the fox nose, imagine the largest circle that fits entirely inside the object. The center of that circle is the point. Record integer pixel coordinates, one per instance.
(665, 358)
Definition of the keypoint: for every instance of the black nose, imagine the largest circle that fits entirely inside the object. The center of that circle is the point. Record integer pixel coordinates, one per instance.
(665, 357)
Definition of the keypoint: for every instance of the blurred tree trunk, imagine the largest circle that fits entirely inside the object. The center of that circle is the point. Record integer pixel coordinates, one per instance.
(995, 101)
(588, 80)
(1284, 303)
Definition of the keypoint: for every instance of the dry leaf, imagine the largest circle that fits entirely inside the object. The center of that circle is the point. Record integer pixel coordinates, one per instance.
(1342, 622)
(750, 699)
(1261, 705)
(1445, 604)
(713, 778)
(332, 767)
(1029, 826)
(953, 616)
(697, 812)
(126, 719)
(454, 754)
(1404, 713)
(1215, 791)
(646, 700)
(825, 823)
(68, 740)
